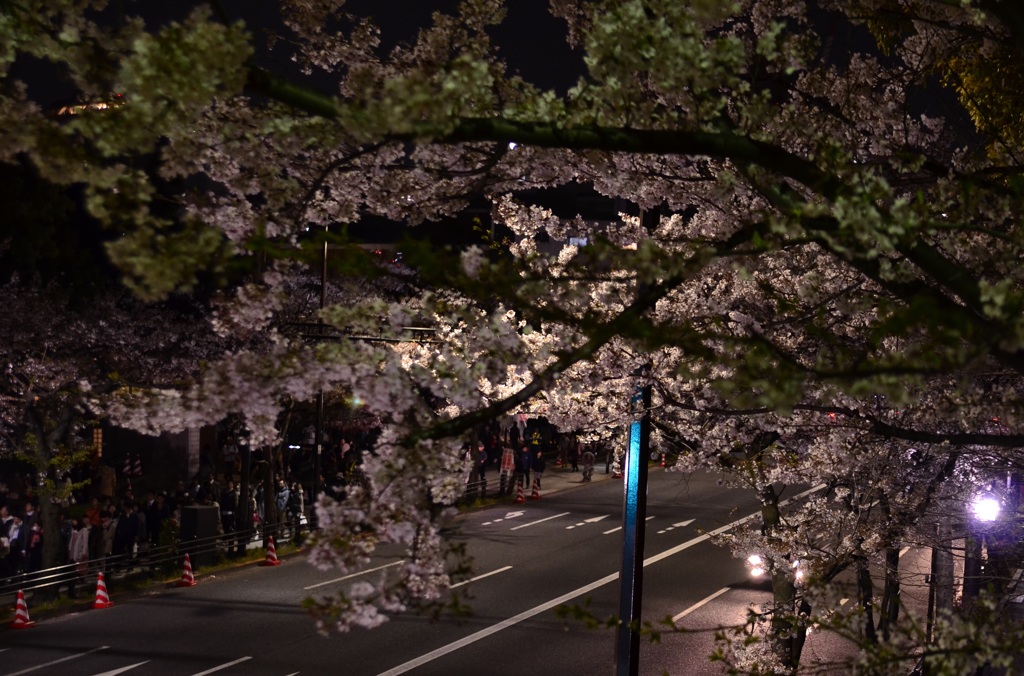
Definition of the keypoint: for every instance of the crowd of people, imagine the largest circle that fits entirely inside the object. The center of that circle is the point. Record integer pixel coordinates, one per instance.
(521, 457)
(119, 530)
(105, 520)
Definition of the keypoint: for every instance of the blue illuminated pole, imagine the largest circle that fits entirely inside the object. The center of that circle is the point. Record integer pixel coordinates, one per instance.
(634, 511)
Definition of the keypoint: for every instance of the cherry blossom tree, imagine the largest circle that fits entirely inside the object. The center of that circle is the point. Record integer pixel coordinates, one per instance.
(829, 294)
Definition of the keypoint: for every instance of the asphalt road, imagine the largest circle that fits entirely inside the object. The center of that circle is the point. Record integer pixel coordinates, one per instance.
(528, 559)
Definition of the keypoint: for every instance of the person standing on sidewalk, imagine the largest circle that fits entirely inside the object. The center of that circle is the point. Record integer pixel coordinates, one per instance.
(537, 465)
(229, 507)
(480, 468)
(588, 463)
(523, 462)
(574, 452)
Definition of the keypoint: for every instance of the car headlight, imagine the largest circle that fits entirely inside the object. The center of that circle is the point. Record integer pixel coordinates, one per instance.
(756, 565)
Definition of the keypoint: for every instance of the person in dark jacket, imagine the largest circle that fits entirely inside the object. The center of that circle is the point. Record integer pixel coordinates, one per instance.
(537, 466)
(522, 468)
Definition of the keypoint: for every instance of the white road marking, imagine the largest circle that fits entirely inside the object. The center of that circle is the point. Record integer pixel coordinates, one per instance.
(63, 659)
(351, 575)
(904, 551)
(586, 521)
(115, 672)
(510, 515)
(681, 524)
(223, 666)
(609, 532)
(843, 602)
(480, 577)
(699, 604)
(547, 605)
(534, 523)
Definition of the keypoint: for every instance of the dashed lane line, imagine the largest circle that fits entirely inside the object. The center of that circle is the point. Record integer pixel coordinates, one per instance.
(480, 577)
(681, 524)
(586, 521)
(60, 661)
(223, 666)
(548, 605)
(115, 672)
(509, 515)
(699, 604)
(618, 528)
(351, 575)
(534, 523)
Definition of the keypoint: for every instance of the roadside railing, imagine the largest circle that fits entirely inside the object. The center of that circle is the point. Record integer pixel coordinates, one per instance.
(146, 564)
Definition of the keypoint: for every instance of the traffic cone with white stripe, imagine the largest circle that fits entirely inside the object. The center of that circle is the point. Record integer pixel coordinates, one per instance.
(21, 620)
(662, 459)
(102, 598)
(535, 495)
(519, 492)
(271, 559)
(187, 578)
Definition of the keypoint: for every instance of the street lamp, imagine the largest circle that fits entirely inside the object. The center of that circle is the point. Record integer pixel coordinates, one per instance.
(985, 507)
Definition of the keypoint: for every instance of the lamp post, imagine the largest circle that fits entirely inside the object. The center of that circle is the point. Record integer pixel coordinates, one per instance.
(634, 514)
(984, 508)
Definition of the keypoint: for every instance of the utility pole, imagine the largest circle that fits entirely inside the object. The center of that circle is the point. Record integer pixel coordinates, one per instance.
(318, 439)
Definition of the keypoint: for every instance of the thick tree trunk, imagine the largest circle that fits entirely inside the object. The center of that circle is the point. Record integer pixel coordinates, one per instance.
(890, 606)
(786, 632)
(865, 595)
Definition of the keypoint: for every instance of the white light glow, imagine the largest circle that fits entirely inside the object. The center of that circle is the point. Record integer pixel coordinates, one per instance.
(985, 508)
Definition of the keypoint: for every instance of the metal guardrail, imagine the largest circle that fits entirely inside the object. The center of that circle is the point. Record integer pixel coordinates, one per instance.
(151, 563)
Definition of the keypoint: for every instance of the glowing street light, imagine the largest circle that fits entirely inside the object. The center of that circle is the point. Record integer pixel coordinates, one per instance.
(985, 507)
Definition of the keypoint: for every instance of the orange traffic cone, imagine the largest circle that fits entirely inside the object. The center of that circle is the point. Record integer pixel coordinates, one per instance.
(102, 598)
(21, 620)
(271, 559)
(187, 579)
(662, 459)
(519, 492)
(535, 495)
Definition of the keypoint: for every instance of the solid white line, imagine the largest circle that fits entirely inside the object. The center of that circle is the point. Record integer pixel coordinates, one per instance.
(63, 659)
(494, 629)
(362, 572)
(222, 666)
(480, 577)
(534, 523)
(547, 605)
(700, 603)
(115, 672)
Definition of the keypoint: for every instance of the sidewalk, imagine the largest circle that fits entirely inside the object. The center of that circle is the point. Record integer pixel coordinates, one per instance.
(557, 479)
